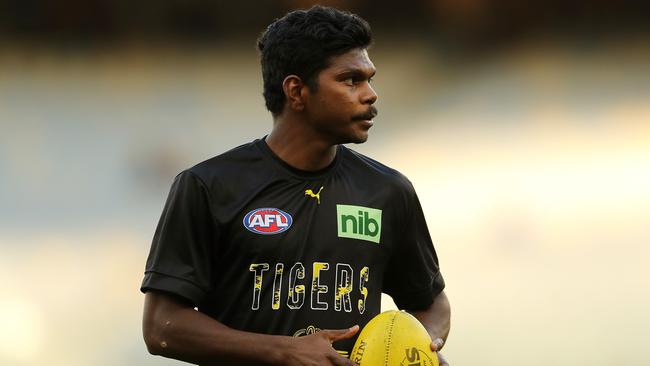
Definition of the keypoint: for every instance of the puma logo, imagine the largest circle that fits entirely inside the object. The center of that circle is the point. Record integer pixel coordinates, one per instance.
(310, 193)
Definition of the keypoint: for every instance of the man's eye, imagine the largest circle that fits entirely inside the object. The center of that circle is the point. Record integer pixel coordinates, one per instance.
(369, 80)
(349, 81)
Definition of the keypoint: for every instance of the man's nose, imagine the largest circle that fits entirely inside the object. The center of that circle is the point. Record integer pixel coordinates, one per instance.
(369, 96)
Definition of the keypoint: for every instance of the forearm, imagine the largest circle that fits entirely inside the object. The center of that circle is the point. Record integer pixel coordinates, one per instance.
(436, 318)
(180, 332)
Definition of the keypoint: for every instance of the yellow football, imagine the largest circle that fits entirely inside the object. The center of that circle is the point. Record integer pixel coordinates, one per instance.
(394, 338)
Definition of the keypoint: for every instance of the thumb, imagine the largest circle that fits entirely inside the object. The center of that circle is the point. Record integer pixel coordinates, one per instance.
(437, 344)
(334, 335)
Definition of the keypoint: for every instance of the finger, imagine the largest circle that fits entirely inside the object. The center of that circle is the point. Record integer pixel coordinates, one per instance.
(437, 344)
(441, 360)
(339, 360)
(337, 334)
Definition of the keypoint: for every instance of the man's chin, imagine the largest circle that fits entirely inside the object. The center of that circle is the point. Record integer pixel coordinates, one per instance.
(354, 137)
(360, 138)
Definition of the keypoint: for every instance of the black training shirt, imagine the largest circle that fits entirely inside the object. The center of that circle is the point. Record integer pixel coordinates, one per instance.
(263, 247)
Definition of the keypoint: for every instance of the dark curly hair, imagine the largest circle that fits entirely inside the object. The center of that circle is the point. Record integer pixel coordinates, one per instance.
(301, 43)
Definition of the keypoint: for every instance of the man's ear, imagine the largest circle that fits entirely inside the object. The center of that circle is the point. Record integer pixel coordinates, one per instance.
(294, 88)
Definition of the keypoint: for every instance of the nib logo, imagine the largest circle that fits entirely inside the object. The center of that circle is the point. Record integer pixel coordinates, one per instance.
(358, 222)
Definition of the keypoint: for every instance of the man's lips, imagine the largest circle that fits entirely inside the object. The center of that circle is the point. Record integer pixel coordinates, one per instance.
(372, 113)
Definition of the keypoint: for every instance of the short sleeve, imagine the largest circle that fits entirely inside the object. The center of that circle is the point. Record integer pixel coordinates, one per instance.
(412, 277)
(182, 252)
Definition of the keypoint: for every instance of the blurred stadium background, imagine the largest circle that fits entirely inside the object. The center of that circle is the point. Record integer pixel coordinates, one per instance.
(524, 126)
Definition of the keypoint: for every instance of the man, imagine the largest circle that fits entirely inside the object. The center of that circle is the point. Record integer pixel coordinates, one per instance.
(277, 252)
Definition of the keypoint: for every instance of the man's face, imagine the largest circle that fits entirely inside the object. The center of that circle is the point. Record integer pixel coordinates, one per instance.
(341, 110)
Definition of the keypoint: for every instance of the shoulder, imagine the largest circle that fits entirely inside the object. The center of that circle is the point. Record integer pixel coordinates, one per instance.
(228, 163)
(376, 171)
(230, 174)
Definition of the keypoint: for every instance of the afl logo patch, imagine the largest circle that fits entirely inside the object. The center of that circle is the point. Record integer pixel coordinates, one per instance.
(267, 221)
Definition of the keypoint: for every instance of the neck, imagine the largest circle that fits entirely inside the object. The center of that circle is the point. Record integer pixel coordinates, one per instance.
(299, 146)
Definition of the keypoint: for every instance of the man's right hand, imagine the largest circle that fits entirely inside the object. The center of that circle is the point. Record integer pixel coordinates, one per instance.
(173, 329)
(317, 350)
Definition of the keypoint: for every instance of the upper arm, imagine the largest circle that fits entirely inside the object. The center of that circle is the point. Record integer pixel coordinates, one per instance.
(412, 276)
(182, 258)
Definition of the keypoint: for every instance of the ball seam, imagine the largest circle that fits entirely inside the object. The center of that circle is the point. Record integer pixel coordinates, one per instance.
(390, 334)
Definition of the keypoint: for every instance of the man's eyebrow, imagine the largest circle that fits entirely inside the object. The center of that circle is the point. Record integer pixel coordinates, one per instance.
(356, 72)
